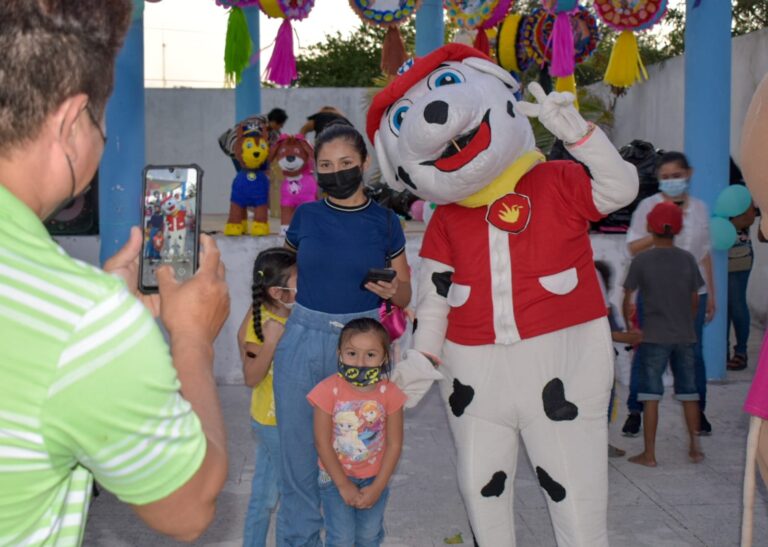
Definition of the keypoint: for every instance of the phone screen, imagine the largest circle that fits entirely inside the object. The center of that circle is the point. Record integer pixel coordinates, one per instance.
(170, 221)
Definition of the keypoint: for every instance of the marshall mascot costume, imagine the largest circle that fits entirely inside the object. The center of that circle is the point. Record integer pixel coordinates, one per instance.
(508, 298)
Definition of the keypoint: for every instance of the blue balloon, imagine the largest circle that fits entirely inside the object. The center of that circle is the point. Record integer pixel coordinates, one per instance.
(732, 201)
(723, 233)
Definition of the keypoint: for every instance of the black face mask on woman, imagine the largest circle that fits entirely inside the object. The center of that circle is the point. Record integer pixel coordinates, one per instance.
(341, 184)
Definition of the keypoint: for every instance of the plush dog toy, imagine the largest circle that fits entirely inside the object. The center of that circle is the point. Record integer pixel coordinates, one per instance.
(294, 155)
(507, 294)
(248, 143)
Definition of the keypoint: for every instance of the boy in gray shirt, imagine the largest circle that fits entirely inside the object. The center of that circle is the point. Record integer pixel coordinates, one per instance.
(669, 280)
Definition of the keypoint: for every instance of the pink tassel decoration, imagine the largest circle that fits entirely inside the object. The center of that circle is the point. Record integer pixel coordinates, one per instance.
(281, 69)
(562, 47)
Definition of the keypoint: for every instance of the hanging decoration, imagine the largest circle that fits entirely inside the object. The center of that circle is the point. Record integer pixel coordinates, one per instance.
(478, 15)
(625, 67)
(281, 69)
(511, 52)
(389, 14)
(562, 39)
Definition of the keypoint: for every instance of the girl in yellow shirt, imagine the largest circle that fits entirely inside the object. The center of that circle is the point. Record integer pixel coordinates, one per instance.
(274, 292)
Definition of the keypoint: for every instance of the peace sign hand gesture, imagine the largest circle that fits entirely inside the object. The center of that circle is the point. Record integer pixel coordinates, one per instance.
(556, 112)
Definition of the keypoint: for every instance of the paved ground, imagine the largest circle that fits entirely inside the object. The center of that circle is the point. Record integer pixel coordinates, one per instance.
(677, 504)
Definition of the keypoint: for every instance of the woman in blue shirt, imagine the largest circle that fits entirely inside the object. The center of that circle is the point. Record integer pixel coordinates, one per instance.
(337, 241)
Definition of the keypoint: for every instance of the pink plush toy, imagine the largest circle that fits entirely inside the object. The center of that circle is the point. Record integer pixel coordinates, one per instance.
(294, 155)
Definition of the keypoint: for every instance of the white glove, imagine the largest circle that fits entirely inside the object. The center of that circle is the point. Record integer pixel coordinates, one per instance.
(556, 112)
(414, 376)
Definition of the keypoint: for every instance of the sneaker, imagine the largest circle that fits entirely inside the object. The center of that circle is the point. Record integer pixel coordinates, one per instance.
(737, 362)
(632, 425)
(705, 428)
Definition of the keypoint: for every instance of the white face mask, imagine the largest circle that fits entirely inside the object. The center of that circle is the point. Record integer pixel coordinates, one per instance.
(288, 305)
(673, 187)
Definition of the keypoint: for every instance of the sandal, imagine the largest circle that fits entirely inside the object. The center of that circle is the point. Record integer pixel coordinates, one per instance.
(737, 362)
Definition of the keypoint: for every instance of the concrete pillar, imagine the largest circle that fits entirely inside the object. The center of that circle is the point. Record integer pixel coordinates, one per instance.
(248, 91)
(429, 27)
(121, 166)
(707, 139)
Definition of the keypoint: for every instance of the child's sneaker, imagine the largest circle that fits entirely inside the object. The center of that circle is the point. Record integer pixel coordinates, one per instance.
(632, 425)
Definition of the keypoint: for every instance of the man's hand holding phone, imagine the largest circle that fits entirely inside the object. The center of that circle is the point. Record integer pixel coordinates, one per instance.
(125, 264)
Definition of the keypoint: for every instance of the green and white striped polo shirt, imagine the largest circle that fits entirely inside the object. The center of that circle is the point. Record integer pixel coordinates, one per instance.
(87, 388)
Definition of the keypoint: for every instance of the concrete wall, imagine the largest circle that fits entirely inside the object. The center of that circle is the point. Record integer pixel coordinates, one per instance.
(654, 110)
(183, 126)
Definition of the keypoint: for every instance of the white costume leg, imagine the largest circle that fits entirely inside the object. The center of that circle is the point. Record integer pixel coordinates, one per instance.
(565, 430)
(486, 438)
(555, 389)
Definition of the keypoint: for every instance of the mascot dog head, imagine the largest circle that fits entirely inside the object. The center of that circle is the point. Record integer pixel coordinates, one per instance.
(249, 142)
(447, 125)
(293, 154)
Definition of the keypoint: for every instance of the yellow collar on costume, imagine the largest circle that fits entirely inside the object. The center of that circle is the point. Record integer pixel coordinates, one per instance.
(504, 183)
(266, 314)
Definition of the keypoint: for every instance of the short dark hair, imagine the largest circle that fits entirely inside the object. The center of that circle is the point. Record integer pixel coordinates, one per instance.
(53, 50)
(277, 115)
(341, 129)
(673, 157)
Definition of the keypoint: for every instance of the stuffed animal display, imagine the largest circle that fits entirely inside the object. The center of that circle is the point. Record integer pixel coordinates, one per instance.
(294, 155)
(249, 144)
(507, 295)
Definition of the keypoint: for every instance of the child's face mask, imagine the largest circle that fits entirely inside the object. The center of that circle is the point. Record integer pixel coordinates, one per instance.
(361, 376)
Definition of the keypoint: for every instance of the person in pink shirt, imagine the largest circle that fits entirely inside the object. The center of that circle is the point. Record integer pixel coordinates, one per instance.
(358, 427)
(754, 166)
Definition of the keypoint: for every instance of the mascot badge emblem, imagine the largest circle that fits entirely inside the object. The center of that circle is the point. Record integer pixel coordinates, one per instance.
(507, 294)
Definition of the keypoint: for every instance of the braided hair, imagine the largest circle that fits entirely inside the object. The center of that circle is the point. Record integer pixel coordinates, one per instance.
(272, 268)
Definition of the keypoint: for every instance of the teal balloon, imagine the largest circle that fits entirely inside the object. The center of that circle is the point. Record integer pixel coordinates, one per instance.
(723, 233)
(732, 201)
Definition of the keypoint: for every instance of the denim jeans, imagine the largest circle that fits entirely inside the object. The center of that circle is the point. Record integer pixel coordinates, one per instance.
(738, 311)
(633, 405)
(653, 363)
(305, 356)
(346, 526)
(264, 491)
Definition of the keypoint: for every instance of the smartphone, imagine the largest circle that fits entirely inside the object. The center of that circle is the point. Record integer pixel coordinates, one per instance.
(379, 274)
(170, 220)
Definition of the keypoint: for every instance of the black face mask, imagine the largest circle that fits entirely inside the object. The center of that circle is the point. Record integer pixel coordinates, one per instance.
(341, 184)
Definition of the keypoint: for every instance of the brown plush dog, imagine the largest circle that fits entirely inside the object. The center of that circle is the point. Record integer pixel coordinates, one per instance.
(294, 155)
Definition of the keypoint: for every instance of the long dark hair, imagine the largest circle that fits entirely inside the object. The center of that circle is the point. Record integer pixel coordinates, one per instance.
(272, 268)
(341, 130)
(366, 324)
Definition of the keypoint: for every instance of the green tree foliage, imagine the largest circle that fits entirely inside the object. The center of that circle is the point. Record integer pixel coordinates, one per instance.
(348, 61)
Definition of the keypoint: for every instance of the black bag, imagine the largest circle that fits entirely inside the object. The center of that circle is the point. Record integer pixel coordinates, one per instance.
(644, 157)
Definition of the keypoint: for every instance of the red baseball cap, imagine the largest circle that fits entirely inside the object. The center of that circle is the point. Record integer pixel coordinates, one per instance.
(413, 73)
(666, 218)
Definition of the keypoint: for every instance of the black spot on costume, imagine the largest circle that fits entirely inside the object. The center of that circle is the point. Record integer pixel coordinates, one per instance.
(495, 486)
(405, 177)
(460, 398)
(551, 486)
(442, 282)
(556, 407)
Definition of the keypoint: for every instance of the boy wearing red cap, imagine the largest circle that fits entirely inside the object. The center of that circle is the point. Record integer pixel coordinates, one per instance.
(669, 280)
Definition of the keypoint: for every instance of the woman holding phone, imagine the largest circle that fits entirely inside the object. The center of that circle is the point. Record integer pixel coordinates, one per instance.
(337, 240)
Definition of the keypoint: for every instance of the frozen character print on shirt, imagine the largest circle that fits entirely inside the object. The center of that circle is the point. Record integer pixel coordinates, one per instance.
(357, 431)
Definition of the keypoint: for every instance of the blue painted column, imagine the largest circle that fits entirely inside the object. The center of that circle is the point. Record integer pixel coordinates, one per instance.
(248, 91)
(123, 159)
(429, 27)
(707, 139)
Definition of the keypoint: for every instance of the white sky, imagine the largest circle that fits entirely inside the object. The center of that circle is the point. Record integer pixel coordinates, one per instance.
(184, 39)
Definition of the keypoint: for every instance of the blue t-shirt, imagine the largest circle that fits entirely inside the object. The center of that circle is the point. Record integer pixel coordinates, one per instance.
(336, 247)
